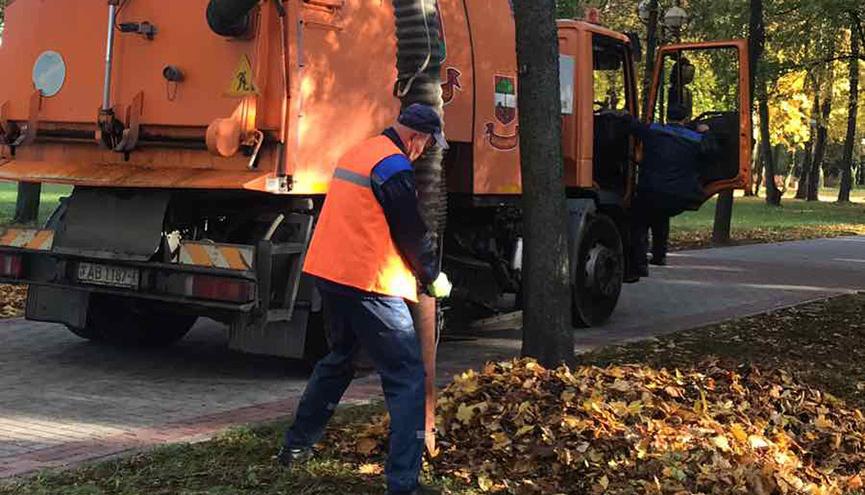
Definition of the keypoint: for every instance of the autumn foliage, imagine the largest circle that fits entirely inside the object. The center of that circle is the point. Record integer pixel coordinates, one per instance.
(518, 428)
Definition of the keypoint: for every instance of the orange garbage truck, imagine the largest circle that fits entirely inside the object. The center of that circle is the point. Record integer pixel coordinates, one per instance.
(200, 137)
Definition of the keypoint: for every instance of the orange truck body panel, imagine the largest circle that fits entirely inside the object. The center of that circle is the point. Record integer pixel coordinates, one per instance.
(341, 72)
(340, 58)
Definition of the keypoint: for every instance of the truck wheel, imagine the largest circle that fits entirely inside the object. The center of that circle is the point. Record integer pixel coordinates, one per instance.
(599, 273)
(126, 323)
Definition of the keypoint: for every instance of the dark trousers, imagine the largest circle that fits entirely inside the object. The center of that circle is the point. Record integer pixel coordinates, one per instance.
(660, 228)
(651, 211)
(383, 326)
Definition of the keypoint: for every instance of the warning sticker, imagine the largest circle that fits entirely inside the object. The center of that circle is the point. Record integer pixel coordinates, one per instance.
(243, 81)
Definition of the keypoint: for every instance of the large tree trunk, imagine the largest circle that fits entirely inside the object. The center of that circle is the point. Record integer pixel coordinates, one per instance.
(822, 139)
(852, 114)
(547, 332)
(27, 204)
(757, 42)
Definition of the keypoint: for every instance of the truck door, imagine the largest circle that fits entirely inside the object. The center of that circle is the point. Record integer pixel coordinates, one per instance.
(711, 80)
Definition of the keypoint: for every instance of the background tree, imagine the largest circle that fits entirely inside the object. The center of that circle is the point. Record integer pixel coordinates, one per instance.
(757, 44)
(852, 113)
(547, 332)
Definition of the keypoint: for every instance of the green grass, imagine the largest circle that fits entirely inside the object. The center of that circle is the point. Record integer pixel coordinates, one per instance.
(750, 213)
(755, 222)
(51, 194)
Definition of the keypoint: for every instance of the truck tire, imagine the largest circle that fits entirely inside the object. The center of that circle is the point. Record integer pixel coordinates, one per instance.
(599, 272)
(125, 323)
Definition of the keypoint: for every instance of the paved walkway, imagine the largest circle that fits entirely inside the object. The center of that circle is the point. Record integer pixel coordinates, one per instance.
(65, 401)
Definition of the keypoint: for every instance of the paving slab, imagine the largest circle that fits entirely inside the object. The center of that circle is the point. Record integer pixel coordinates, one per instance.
(65, 401)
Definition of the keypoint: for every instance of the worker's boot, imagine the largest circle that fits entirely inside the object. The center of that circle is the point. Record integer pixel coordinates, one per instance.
(289, 457)
(659, 260)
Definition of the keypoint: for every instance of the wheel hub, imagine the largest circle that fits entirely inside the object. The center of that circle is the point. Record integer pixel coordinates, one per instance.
(603, 271)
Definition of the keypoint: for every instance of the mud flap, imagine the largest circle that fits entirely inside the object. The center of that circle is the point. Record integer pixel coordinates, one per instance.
(112, 223)
(279, 327)
(56, 305)
(579, 211)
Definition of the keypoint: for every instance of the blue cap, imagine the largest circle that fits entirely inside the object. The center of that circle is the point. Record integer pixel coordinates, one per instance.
(424, 119)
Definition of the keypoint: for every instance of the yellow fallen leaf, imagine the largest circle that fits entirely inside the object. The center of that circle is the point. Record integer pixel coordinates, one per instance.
(604, 482)
(758, 442)
(465, 413)
(721, 442)
(370, 469)
(484, 483)
(739, 433)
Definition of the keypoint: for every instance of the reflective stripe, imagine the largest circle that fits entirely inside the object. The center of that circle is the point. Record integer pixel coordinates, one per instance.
(353, 177)
(228, 257)
(38, 240)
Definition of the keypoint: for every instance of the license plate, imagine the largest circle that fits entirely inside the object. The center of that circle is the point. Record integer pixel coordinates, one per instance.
(112, 276)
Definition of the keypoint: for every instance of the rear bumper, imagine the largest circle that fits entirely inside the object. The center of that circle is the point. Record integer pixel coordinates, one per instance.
(162, 282)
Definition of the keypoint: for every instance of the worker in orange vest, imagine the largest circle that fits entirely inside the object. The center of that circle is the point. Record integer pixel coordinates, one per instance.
(370, 253)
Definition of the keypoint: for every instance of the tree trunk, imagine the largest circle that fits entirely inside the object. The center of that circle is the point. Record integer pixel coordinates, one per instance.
(757, 44)
(723, 218)
(547, 332)
(651, 48)
(802, 190)
(852, 113)
(758, 156)
(773, 194)
(27, 204)
(822, 136)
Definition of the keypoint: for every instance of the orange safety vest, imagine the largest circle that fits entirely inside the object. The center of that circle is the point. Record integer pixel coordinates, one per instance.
(352, 244)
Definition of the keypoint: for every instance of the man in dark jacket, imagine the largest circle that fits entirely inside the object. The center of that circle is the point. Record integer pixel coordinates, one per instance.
(669, 179)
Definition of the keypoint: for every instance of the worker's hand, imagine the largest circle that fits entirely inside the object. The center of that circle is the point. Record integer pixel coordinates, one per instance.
(441, 288)
(703, 128)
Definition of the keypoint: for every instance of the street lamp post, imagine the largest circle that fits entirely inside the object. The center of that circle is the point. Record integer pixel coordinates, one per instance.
(675, 19)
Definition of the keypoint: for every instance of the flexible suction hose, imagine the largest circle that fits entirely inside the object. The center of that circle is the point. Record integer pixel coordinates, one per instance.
(419, 67)
(229, 18)
(419, 81)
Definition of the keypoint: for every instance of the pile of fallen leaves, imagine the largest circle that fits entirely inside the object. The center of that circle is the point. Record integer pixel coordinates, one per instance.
(13, 298)
(519, 428)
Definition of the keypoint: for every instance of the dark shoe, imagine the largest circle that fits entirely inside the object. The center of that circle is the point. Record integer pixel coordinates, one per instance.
(288, 457)
(631, 278)
(659, 261)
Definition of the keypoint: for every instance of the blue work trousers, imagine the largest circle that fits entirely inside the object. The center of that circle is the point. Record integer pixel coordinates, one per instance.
(383, 326)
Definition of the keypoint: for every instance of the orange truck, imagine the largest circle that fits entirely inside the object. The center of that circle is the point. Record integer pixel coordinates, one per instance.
(200, 137)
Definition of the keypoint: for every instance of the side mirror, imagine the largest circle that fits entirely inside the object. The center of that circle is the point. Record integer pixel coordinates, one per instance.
(636, 46)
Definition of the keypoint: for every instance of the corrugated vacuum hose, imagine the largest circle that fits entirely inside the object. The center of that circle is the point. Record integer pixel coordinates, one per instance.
(419, 67)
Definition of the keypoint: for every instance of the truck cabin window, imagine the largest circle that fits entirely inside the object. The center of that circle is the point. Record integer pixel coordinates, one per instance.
(706, 83)
(612, 92)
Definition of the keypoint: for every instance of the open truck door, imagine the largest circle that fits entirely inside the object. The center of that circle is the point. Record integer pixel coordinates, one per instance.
(712, 81)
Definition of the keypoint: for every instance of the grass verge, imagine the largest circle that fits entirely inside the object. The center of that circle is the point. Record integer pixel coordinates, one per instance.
(754, 222)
